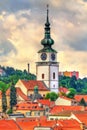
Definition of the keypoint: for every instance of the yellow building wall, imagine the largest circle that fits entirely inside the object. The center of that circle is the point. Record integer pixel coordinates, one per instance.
(20, 85)
(61, 101)
(8, 101)
(43, 93)
(33, 113)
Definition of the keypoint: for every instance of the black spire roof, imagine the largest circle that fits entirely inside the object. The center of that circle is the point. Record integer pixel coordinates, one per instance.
(47, 42)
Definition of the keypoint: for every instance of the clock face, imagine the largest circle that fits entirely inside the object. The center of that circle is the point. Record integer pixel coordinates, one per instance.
(53, 56)
(43, 56)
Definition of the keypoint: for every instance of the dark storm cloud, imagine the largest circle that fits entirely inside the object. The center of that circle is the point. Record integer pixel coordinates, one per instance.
(6, 47)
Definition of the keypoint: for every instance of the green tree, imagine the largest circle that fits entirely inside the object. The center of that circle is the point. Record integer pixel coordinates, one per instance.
(73, 82)
(52, 96)
(13, 98)
(82, 102)
(3, 88)
(4, 102)
(71, 93)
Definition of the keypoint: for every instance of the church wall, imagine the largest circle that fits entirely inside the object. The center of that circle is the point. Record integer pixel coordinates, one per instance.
(54, 69)
(43, 93)
(43, 70)
(20, 85)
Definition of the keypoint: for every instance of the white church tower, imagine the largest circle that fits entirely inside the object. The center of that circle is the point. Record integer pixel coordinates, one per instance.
(47, 66)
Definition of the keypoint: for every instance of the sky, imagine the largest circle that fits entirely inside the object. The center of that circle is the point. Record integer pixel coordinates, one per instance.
(22, 29)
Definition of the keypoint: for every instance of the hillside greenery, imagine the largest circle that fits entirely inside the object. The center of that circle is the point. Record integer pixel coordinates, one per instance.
(13, 75)
(80, 85)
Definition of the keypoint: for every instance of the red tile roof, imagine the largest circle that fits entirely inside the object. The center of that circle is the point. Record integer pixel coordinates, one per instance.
(55, 125)
(32, 118)
(63, 89)
(27, 125)
(79, 97)
(57, 109)
(46, 102)
(21, 94)
(8, 125)
(28, 106)
(30, 84)
(71, 124)
(82, 116)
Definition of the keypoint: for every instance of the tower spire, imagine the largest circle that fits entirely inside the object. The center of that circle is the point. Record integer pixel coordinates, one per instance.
(47, 15)
(47, 41)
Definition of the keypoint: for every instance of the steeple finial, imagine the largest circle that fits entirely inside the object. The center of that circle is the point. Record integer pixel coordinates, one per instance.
(47, 13)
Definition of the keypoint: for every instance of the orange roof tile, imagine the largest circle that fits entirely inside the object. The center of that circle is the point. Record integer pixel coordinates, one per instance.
(20, 93)
(63, 89)
(79, 97)
(56, 109)
(32, 118)
(30, 84)
(55, 125)
(8, 125)
(28, 106)
(82, 116)
(46, 102)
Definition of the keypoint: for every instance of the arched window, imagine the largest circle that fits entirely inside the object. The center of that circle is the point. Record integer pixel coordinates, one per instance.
(53, 75)
(42, 76)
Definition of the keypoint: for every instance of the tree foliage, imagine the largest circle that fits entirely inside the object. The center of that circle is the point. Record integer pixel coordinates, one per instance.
(4, 102)
(80, 85)
(52, 96)
(13, 98)
(71, 93)
(82, 102)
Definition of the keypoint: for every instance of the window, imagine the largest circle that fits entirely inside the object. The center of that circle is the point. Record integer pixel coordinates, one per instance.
(42, 76)
(54, 86)
(43, 95)
(54, 75)
(28, 113)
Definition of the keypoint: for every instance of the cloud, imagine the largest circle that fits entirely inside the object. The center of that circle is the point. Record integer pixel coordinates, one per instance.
(6, 47)
(22, 28)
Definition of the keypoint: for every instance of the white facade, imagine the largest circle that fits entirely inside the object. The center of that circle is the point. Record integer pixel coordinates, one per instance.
(47, 71)
(47, 67)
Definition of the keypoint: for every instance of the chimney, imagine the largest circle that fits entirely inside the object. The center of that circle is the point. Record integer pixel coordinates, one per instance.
(28, 68)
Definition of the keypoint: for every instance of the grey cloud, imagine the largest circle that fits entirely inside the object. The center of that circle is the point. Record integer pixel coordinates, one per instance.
(6, 47)
(14, 5)
(79, 45)
(85, 0)
(69, 11)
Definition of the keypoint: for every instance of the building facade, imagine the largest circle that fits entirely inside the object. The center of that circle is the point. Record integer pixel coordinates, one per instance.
(47, 66)
(69, 74)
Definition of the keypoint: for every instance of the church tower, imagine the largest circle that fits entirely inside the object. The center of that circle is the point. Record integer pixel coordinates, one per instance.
(47, 66)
